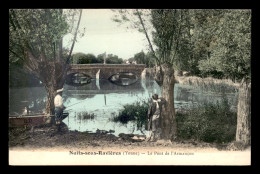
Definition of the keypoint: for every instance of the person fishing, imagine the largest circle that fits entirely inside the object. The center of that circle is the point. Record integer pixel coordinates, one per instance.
(154, 117)
(59, 107)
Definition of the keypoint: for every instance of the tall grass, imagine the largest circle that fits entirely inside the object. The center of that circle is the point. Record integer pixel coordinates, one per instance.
(85, 115)
(210, 84)
(208, 122)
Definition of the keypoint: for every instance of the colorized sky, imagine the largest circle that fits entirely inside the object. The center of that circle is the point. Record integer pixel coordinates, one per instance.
(104, 35)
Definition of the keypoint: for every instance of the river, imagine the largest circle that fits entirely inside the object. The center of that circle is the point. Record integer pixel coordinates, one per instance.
(104, 100)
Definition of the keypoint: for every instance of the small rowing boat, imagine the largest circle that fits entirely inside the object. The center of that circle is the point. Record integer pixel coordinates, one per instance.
(32, 120)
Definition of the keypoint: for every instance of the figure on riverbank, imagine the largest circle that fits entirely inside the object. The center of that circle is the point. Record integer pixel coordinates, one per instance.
(59, 107)
(26, 110)
(154, 117)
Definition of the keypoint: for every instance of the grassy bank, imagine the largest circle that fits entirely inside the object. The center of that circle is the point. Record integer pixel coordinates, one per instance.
(204, 122)
(207, 122)
(209, 84)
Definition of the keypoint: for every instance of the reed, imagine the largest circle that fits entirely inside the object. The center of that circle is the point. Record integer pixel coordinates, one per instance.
(209, 84)
(85, 115)
(208, 122)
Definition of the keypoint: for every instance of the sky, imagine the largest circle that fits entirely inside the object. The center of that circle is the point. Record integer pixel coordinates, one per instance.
(104, 35)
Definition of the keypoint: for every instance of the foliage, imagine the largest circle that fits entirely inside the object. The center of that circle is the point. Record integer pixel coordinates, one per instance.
(81, 58)
(208, 122)
(100, 58)
(89, 58)
(142, 58)
(33, 38)
(194, 39)
(134, 112)
(129, 17)
(208, 42)
(20, 77)
(229, 46)
(113, 59)
(168, 25)
(36, 30)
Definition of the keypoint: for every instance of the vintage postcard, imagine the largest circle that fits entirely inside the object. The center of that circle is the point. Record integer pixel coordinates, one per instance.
(129, 87)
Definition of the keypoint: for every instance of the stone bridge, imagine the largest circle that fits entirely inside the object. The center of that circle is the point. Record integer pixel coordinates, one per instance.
(105, 71)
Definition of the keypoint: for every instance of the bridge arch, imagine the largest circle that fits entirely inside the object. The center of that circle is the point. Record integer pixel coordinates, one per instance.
(107, 70)
(123, 78)
(78, 78)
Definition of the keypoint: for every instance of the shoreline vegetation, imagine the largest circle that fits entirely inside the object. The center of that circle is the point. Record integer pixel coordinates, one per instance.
(208, 84)
(206, 122)
(204, 84)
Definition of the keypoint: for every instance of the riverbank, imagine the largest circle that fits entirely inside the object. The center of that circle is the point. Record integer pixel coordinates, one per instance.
(67, 145)
(201, 82)
(185, 79)
(49, 137)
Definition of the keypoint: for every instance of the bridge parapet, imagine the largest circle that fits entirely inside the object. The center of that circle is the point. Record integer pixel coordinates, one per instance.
(106, 70)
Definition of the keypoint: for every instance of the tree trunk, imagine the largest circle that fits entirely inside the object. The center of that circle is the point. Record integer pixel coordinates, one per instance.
(50, 99)
(53, 75)
(165, 78)
(243, 133)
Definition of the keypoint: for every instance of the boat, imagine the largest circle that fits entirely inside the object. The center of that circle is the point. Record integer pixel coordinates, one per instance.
(32, 119)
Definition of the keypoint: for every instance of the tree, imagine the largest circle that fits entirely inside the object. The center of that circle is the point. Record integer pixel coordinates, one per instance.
(82, 58)
(208, 42)
(230, 56)
(33, 36)
(203, 39)
(150, 60)
(86, 59)
(100, 58)
(140, 58)
(166, 26)
(113, 59)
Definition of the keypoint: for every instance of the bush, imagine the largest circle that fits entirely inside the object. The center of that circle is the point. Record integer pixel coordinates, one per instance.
(133, 112)
(208, 122)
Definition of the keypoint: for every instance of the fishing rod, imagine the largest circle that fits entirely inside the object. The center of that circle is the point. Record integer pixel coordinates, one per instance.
(74, 104)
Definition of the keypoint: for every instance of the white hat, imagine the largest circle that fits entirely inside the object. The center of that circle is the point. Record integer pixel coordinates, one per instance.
(60, 90)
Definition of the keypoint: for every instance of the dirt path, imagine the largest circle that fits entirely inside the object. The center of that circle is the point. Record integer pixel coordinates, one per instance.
(45, 146)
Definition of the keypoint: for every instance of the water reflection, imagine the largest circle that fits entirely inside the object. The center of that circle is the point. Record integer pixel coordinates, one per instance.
(103, 86)
(123, 79)
(19, 98)
(77, 79)
(104, 99)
